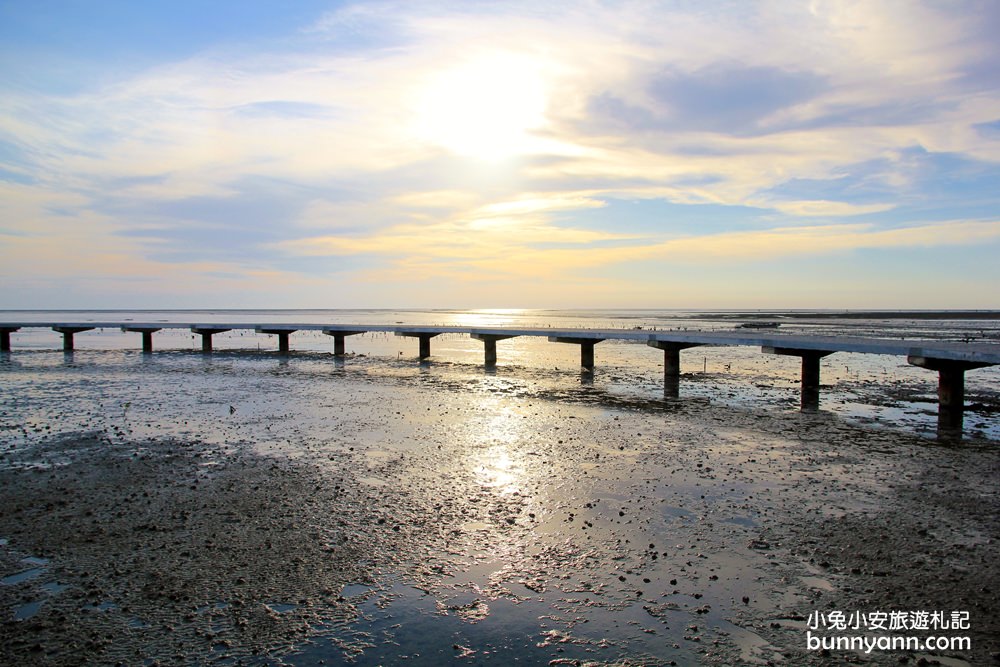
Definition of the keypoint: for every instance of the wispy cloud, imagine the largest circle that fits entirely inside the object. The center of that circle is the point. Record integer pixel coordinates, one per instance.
(824, 208)
(453, 250)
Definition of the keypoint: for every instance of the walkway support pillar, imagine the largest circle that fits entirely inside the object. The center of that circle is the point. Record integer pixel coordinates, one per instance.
(282, 335)
(338, 339)
(147, 336)
(206, 334)
(5, 333)
(425, 340)
(489, 346)
(951, 388)
(671, 364)
(67, 334)
(586, 348)
(810, 371)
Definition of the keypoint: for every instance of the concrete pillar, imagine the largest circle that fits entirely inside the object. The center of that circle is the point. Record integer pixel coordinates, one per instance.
(67, 334)
(951, 389)
(147, 336)
(490, 352)
(425, 340)
(338, 339)
(489, 346)
(810, 372)
(951, 397)
(282, 335)
(586, 348)
(671, 364)
(206, 334)
(5, 333)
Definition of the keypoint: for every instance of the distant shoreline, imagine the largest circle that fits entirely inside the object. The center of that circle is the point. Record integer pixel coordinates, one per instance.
(861, 315)
(689, 313)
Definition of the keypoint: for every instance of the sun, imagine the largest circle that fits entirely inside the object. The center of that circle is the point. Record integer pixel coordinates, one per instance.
(486, 108)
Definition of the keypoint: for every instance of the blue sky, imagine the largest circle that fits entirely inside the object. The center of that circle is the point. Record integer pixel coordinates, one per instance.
(771, 154)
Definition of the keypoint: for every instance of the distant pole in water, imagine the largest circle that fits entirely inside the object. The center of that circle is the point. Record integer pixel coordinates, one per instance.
(704, 365)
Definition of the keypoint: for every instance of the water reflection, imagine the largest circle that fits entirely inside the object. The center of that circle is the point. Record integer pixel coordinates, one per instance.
(488, 318)
(500, 463)
(499, 470)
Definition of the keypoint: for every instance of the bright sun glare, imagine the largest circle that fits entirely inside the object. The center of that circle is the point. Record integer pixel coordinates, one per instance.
(485, 108)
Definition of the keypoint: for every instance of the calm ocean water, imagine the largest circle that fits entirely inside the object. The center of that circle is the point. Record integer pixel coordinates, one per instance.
(825, 322)
(882, 390)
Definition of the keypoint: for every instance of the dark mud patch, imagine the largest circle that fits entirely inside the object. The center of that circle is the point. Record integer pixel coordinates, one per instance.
(931, 543)
(179, 553)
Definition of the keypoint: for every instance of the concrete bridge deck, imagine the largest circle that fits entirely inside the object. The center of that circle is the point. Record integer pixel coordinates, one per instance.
(951, 359)
(988, 353)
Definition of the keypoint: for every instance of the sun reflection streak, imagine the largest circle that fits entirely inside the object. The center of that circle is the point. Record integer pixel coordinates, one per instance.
(500, 463)
(498, 470)
(497, 317)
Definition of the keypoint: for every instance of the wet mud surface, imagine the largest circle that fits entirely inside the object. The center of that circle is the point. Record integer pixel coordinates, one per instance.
(406, 516)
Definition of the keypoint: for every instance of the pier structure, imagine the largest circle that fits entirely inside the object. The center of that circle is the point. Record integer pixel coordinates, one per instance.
(206, 333)
(950, 359)
(5, 333)
(425, 340)
(951, 387)
(147, 336)
(282, 333)
(810, 371)
(67, 332)
(671, 364)
(586, 344)
(338, 339)
(490, 345)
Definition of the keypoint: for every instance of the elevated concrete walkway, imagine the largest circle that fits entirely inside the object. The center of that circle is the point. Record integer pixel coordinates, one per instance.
(950, 359)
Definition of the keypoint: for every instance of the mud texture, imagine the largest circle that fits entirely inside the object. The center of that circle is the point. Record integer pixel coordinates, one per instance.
(170, 551)
(423, 521)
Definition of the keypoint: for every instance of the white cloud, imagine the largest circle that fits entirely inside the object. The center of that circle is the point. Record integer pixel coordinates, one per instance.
(823, 208)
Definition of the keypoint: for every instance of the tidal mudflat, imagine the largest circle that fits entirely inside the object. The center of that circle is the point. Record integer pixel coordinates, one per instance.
(258, 510)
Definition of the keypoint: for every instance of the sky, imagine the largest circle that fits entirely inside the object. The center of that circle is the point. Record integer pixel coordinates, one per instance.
(558, 154)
